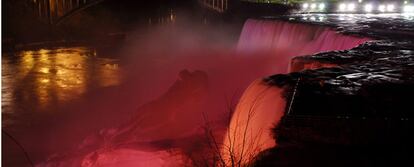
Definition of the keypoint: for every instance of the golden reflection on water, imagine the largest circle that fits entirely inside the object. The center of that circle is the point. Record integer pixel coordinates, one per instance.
(27, 62)
(35, 80)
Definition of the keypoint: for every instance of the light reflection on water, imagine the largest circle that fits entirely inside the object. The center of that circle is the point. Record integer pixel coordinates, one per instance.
(38, 80)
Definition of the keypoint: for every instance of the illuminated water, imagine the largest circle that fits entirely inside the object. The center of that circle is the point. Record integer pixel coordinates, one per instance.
(39, 85)
(72, 101)
(262, 105)
(35, 80)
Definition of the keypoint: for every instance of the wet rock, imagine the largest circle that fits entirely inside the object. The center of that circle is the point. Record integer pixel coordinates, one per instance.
(359, 104)
(357, 74)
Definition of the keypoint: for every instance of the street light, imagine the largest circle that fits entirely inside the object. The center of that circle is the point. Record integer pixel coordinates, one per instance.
(342, 7)
(305, 6)
(321, 6)
(351, 7)
(390, 7)
(381, 8)
(313, 6)
(368, 8)
(408, 9)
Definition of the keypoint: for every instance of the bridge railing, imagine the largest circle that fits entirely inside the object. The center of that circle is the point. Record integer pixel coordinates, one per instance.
(53, 11)
(217, 5)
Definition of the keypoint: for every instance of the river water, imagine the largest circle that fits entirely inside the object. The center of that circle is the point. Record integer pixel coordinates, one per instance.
(157, 88)
(40, 80)
(54, 97)
(37, 87)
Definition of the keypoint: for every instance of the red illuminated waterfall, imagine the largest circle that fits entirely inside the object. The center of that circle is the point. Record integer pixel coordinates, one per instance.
(299, 39)
(262, 106)
(249, 131)
(295, 39)
(167, 127)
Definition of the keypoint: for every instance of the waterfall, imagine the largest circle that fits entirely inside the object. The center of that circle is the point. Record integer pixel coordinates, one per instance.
(168, 121)
(299, 39)
(262, 106)
(249, 133)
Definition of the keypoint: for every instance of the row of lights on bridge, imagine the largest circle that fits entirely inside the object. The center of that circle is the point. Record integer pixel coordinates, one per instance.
(366, 7)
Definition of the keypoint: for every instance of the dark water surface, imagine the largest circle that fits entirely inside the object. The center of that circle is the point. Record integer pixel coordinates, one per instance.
(52, 98)
(37, 87)
(40, 80)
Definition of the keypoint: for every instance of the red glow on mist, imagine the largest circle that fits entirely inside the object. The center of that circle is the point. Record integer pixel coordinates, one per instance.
(172, 109)
(133, 157)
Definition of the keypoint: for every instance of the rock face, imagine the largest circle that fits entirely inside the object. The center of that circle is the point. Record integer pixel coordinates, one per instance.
(352, 107)
(370, 85)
